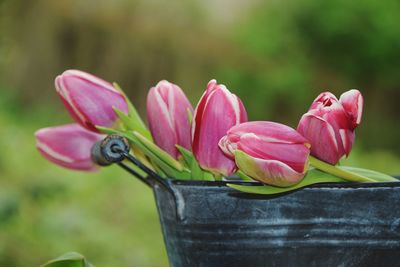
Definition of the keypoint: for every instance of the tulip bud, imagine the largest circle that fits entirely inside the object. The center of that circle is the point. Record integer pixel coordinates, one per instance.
(352, 102)
(269, 152)
(330, 123)
(89, 100)
(167, 114)
(68, 146)
(217, 111)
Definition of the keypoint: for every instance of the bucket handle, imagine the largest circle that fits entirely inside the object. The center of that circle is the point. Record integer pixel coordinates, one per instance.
(115, 148)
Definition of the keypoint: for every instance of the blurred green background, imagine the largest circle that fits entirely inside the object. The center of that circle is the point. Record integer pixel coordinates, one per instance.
(276, 55)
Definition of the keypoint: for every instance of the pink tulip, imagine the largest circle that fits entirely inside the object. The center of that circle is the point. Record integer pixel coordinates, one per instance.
(68, 146)
(330, 123)
(89, 100)
(269, 152)
(167, 114)
(217, 111)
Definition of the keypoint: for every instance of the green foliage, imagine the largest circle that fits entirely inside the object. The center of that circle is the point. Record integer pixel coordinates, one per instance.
(70, 259)
(292, 50)
(276, 55)
(313, 176)
(45, 210)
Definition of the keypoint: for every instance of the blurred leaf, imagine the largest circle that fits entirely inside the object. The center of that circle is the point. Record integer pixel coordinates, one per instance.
(244, 176)
(133, 120)
(70, 259)
(164, 156)
(377, 176)
(208, 176)
(190, 116)
(313, 176)
(335, 170)
(132, 123)
(196, 172)
(186, 154)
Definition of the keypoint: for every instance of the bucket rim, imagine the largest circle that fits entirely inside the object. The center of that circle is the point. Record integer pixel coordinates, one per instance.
(216, 184)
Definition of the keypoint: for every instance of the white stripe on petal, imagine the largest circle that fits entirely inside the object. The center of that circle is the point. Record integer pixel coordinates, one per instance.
(164, 108)
(171, 104)
(333, 136)
(345, 139)
(234, 101)
(91, 78)
(65, 94)
(359, 109)
(196, 111)
(53, 153)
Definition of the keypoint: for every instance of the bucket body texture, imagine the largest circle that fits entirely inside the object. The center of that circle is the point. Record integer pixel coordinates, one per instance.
(209, 224)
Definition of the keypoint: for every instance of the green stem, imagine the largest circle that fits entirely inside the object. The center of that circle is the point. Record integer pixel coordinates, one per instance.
(217, 176)
(328, 168)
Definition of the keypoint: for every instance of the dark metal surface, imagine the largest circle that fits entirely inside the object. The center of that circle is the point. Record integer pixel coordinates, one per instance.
(110, 150)
(207, 224)
(324, 225)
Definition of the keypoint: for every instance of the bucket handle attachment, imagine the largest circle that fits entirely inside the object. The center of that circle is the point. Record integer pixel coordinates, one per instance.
(115, 148)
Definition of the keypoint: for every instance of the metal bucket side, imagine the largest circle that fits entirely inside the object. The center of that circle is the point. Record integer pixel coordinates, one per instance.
(325, 225)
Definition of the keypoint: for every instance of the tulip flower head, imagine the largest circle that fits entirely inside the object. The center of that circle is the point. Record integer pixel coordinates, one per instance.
(68, 146)
(330, 124)
(269, 152)
(89, 100)
(167, 114)
(217, 111)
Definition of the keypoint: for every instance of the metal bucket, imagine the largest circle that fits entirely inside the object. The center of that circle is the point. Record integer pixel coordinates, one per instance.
(210, 224)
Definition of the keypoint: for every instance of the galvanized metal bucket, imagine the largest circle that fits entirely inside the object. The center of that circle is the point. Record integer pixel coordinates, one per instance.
(209, 224)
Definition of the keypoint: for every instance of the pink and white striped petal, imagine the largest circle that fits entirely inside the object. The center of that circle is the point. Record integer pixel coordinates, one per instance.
(272, 172)
(68, 146)
(322, 137)
(353, 102)
(89, 100)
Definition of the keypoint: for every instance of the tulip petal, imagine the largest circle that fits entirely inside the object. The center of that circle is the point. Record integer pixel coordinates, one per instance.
(179, 114)
(293, 155)
(218, 110)
(167, 112)
(347, 137)
(211, 130)
(324, 99)
(352, 102)
(268, 131)
(271, 172)
(72, 110)
(160, 123)
(227, 146)
(68, 146)
(321, 136)
(198, 113)
(90, 99)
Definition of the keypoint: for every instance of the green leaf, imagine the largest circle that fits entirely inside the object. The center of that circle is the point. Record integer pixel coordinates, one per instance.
(166, 168)
(186, 154)
(336, 170)
(132, 124)
(208, 176)
(190, 115)
(140, 126)
(196, 172)
(108, 131)
(377, 176)
(164, 156)
(244, 176)
(313, 176)
(70, 259)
